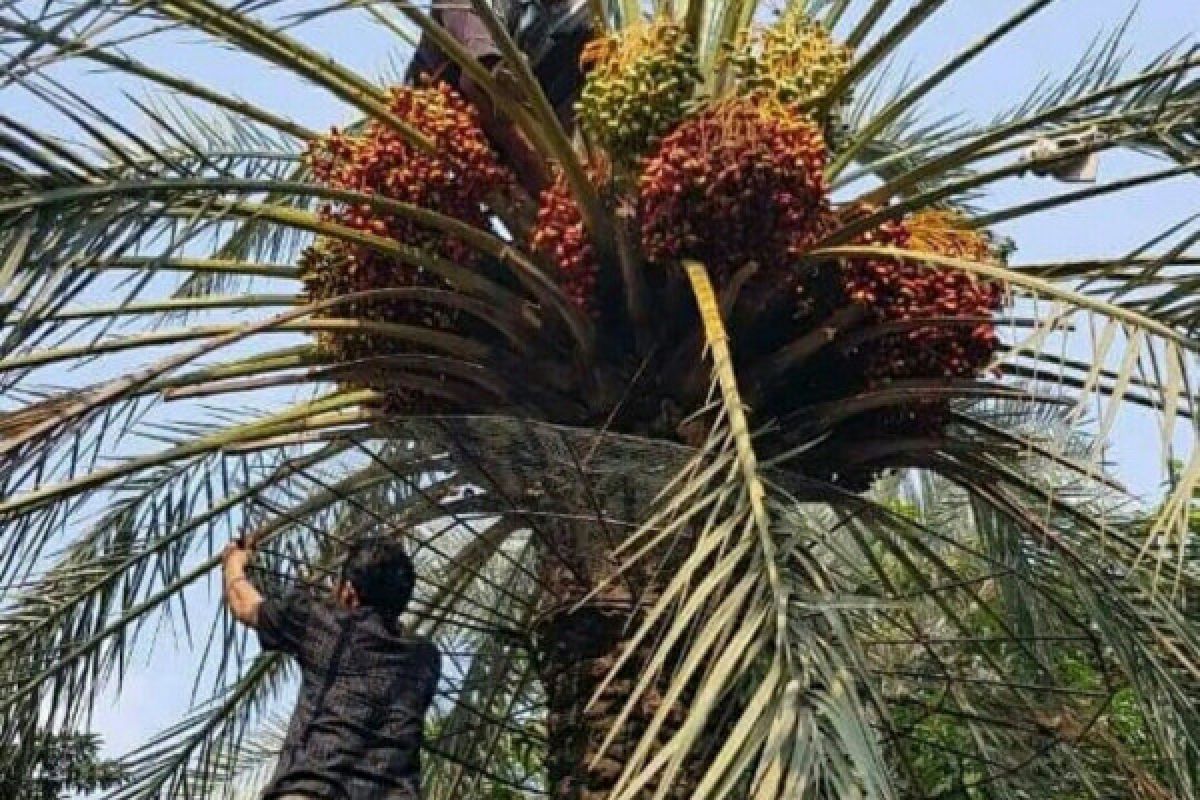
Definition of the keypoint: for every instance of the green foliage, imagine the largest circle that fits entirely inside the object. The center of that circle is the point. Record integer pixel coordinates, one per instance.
(61, 765)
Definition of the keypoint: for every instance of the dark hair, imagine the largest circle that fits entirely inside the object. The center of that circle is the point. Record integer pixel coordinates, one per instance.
(382, 574)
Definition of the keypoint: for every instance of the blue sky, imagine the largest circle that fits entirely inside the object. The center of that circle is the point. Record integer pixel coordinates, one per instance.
(156, 692)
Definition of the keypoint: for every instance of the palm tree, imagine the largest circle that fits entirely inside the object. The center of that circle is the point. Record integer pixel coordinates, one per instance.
(629, 426)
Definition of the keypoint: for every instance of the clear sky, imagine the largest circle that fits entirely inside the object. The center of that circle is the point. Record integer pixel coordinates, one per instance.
(156, 693)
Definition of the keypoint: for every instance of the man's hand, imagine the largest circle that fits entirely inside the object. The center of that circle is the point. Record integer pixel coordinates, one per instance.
(241, 595)
(235, 557)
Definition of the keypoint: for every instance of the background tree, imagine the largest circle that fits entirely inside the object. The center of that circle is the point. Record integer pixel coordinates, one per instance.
(64, 764)
(627, 426)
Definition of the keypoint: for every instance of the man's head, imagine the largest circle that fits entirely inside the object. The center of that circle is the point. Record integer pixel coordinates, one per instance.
(379, 575)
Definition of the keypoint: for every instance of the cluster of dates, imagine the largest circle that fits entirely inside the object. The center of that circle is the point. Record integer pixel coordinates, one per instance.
(640, 84)
(559, 237)
(453, 177)
(943, 318)
(795, 61)
(739, 182)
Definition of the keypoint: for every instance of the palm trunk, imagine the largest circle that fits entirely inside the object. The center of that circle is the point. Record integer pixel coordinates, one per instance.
(578, 648)
(578, 516)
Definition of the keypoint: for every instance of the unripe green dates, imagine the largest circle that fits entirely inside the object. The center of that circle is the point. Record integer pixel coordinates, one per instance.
(795, 61)
(639, 88)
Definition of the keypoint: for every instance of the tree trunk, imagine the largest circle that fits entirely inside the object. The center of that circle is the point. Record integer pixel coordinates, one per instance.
(582, 494)
(577, 649)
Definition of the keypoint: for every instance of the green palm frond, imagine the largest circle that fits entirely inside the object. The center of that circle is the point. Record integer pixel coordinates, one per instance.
(735, 596)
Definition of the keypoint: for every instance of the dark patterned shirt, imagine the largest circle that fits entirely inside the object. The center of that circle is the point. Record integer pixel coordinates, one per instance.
(356, 731)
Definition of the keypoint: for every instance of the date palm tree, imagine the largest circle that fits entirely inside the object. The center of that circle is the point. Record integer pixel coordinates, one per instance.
(737, 457)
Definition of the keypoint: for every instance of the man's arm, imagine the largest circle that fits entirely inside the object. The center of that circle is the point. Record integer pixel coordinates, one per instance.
(243, 599)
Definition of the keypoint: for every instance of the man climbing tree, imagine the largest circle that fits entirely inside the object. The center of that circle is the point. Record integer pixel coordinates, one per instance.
(356, 730)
